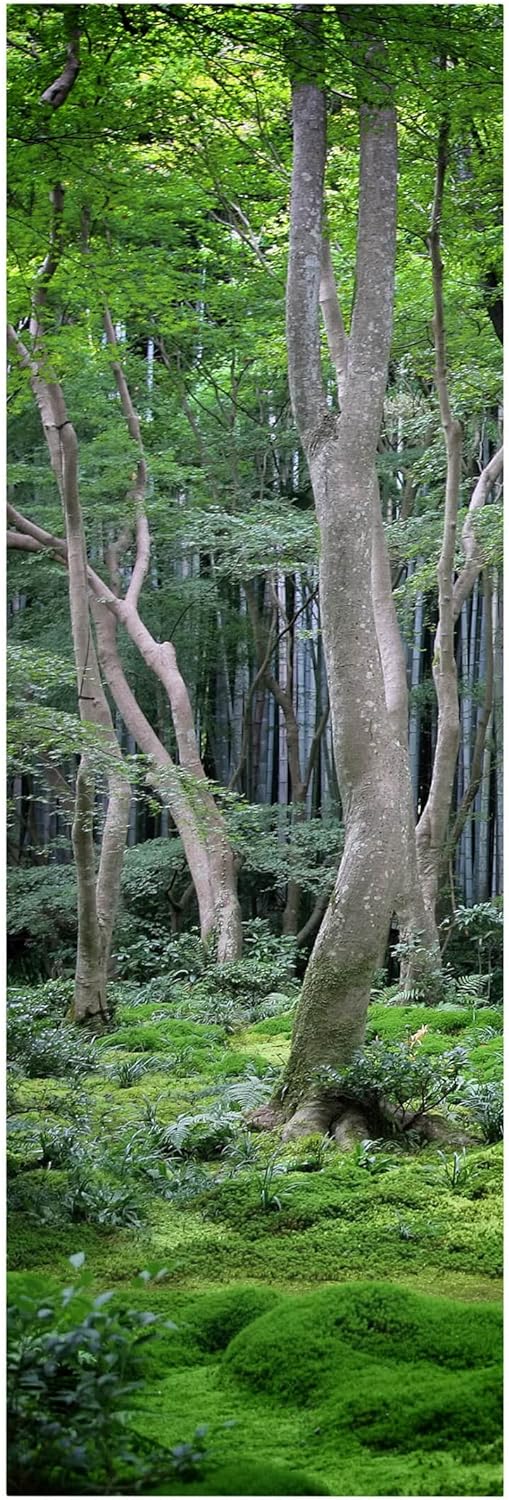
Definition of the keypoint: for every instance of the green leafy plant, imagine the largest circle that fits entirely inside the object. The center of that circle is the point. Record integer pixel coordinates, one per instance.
(265, 1175)
(40, 1051)
(71, 1380)
(485, 1103)
(242, 1153)
(129, 1071)
(371, 1157)
(399, 1084)
(459, 1173)
(89, 1199)
(188, 1458)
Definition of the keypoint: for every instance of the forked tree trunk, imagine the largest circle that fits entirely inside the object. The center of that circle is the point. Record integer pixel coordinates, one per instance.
(420, 967)
(98, 895)
(198, 819)
(341, 456)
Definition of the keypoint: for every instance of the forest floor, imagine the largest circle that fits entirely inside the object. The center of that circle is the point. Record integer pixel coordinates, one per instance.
(337, 1316)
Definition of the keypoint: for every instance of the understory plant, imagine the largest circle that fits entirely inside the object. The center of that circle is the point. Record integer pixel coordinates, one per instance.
(397, 1086)
(74, 1368)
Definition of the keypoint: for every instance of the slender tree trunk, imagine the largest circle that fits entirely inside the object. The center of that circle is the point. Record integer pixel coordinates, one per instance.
(213, 865)
(341, 458)
(97, 899)
(433, 824)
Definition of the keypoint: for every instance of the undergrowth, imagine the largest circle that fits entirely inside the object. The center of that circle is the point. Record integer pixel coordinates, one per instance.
(135, 1151)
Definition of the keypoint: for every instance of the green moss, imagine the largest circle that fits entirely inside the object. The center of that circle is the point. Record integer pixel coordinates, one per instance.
(217, 1318)
(391, 1022)
(282, 1326)
(164, 1036)
(485, 1062)
(418, 1407)
(246, 1478)
(273, 1026)
(319, 1338)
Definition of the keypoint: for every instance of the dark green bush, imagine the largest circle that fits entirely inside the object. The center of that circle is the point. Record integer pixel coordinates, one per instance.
(408, 1079)
(69, 1386)
(485, 1103)
(42, 921)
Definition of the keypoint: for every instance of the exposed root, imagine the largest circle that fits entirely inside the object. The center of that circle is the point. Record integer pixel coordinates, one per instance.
(268, 1117)
(352, 1127)
(347, 1123)
(309, 1119)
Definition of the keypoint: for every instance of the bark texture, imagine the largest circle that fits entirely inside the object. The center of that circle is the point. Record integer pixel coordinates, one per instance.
(341, 458)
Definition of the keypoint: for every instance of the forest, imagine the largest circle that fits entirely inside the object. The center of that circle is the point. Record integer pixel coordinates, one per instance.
(254, 749)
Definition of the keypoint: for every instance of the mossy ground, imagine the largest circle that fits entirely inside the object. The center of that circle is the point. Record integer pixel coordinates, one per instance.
(310, 1324)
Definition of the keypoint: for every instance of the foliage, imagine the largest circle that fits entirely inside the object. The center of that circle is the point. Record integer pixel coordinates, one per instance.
(485, 1105)
(475, 935)
(41, 920)
(409, 1080)
(70, 1382)
(47, 1051)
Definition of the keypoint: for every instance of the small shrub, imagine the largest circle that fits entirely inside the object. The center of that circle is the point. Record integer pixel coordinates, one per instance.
(265, 1175)
(485, 1103)
(108, 1205)
(201, 1135)
(49, 1051)
(408, 1080)
(459, 1173)
(70, 1383)
(129, 1071)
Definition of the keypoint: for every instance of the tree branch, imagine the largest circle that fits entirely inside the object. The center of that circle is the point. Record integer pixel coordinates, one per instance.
(58, 91)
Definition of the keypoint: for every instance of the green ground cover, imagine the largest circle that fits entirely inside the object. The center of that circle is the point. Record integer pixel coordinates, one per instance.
(336, 1317)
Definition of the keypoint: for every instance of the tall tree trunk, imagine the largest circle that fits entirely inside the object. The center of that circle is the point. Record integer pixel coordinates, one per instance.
(433, 823)
(341, 458)
(97, 896)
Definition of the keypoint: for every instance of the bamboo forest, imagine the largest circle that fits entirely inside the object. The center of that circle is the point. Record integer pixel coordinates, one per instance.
(254, 748)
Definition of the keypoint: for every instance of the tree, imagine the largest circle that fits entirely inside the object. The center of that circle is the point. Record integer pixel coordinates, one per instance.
(180, 227)
(341, 454)
(97, 892)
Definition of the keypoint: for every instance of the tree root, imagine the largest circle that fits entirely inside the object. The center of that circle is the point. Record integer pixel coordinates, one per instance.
(347, 1123)
(268, 1117)
(313, 1118)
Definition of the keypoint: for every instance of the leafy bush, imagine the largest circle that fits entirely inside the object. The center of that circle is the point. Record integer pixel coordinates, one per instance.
(70, 1383)
(90, 1199)
(128, 1071)
(201, 1135)
(407, 1080)
(42, 920)
(474, 937)
(148, 872)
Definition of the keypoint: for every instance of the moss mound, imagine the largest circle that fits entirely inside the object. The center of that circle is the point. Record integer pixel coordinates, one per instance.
(219, 1317)
(303, 1349)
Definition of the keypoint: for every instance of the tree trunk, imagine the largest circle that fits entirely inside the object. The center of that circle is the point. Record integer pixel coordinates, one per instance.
(195, 815)
(341, 458)
(433, 824)
(213, 866)
(97, 899)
